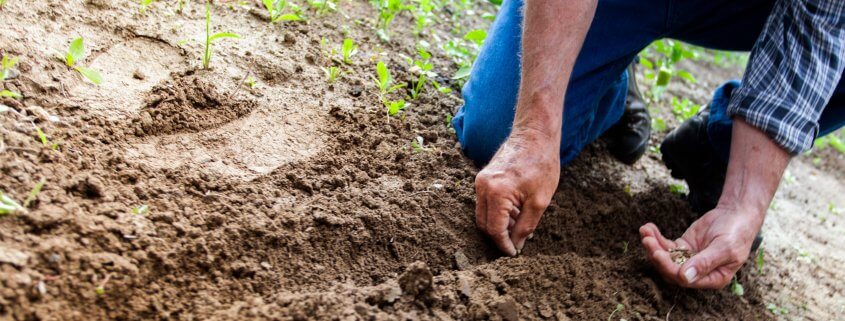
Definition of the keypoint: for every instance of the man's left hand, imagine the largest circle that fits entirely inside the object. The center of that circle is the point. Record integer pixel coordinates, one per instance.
(721, 238)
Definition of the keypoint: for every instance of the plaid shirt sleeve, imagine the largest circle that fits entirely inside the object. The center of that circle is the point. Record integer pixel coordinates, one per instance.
(793, 70)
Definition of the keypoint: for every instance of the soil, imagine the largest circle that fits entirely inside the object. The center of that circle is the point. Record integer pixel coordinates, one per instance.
(299, 200)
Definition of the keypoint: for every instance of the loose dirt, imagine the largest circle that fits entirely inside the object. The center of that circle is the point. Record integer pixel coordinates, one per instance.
(299, 200)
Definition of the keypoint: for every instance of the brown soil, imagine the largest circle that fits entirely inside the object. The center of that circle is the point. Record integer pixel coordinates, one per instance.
(294, 200)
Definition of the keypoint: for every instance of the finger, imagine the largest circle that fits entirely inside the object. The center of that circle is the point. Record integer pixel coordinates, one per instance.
(515, 211)
(702, 264)
(717, 279)
(527, 222)
(511, 223)
(481, 208)
(498, 219)
(651, 230)
(661, 259)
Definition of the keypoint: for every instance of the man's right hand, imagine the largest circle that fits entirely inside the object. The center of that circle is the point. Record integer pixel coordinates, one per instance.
(514, 190)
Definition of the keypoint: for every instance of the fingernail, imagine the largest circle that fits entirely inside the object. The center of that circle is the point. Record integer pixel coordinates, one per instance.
(690, 274)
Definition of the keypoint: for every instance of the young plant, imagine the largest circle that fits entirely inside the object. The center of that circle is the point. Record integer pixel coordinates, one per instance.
(619, 308)
(332, 73)
(423, 15)
(250, 81)
(210, 38)
(384, 82)
(760, 261)
(684, 109)
(678, 189)
(323, 6)
(145, 4)
(736, 287)
(141, 210)
(417, 145)
(44, 140)
(9, 94)
(33, 194)
(423, 67)
(75, 53)
(10, 206)
(348, 49)
(6, 65)
(387, 11)
(394, 107)
(276, 11)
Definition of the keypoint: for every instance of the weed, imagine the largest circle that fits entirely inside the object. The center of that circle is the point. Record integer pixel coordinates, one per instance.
(348, 49)
(33, 194)
(332, 73)
(384, 82)
(75, 53)
(276, 11)
(141, 210)
(661, 57)
(10, 206)
(736, 287)
(760, 261)
(250, 81)
(210, 38)
(658, 124)
(417, 145)
(624, 247)
(476, 36)
(619, 308)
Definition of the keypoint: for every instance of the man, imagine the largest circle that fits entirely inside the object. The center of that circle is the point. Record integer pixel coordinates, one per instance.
(516, 121)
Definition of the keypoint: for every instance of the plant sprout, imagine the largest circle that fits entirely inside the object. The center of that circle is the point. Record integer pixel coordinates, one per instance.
(737, 288)
(387, 11)
(394, 107)
(9, 94)
(276, 8)
(210, 38)
(6, 65)
(323, 6)
(141, 210)
(10, 206)
(423, 67)
(348, 49)
(619, 307)
(33, 194)
(331, 73)
(384, 82)
(145, 4)
(75, 53)
(760, 261)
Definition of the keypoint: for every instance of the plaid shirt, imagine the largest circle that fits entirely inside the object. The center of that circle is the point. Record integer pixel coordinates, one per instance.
(793, 70)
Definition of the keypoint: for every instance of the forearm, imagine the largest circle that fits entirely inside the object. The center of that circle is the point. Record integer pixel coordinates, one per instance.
(553, 32)
(755, 168)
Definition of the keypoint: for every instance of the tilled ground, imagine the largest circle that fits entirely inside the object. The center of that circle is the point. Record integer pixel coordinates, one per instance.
(295, 199)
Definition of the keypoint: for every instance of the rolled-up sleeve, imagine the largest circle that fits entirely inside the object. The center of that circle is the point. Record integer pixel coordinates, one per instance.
(793, 70)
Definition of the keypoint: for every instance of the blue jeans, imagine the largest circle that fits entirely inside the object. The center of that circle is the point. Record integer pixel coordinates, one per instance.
(595, 99)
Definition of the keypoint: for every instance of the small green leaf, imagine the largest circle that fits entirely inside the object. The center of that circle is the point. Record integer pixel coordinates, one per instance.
(33, 194)
(220, 35)
(76, 52)
(496, 2)
(686, 76)
(836, 143)
(737, 288)
(9, 94)
(394, 107)
(462, 73)
(477, 36)
(383, 76)
(646, 63)
(288, 17)
(90, 74)
(663, 77)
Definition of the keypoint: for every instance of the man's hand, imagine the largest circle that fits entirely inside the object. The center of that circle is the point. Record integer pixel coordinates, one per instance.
(515, 188)
(721, 238)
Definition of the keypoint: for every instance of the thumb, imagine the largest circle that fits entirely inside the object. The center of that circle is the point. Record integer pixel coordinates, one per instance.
(700, 266)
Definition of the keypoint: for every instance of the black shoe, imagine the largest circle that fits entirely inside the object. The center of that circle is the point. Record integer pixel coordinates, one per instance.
(689, 156)
(627, 140)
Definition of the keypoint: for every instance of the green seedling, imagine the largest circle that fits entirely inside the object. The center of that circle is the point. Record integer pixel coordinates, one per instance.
(776, 309)
(2, 2)
(476, 36)
(678, 189)
(384, 82)
(75, 53)
(736, 287)
(659, 61)
(760, 261)
(326, 50)
(44, 140)
(210, 38)
(417, 145)
(145, 4)
(624, 247)
(423, 15)
(348, 49)
(387, 11)
(276, 11)
(10, 206)
(332, 73)
(250, 81)
(684, 109)
(9, 94)
(837, 143)
(323, 6)
(33, 194)
(141, 210)
(6, 65)
(394, 107)
(423, 67)
(658, 124)
(619, 308)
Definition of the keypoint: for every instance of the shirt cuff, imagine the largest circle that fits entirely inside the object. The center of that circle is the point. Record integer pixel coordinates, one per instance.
(781, 120)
